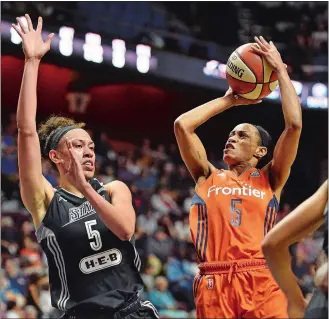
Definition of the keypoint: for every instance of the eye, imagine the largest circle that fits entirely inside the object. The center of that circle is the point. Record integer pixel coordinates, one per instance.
(78, 145)
(243, 135)
(92, 148)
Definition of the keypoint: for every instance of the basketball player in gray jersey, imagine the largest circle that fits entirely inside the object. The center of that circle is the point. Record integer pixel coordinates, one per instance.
(85, 228)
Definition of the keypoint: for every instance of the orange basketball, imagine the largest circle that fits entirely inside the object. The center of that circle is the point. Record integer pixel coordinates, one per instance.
(249, 75)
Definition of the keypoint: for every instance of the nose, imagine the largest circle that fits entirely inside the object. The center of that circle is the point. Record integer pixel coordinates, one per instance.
(231, 140)
(88, 153)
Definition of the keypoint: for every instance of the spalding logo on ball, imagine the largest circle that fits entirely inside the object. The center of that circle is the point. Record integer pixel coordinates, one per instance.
(249, 75)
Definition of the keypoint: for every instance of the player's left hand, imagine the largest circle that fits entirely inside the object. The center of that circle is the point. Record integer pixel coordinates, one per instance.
(74, 172)
(269, 52)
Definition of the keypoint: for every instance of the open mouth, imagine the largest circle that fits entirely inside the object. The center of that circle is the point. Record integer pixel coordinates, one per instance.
(89, 164)
(229, 146)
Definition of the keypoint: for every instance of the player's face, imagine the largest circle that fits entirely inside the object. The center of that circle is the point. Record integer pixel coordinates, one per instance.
(241, 145)
(84, 148)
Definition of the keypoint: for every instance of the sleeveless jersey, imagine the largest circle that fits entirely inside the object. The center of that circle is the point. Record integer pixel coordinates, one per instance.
(230, 215)
(88, 265)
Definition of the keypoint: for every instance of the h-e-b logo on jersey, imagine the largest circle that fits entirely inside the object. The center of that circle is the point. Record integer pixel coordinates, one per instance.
(100, 261)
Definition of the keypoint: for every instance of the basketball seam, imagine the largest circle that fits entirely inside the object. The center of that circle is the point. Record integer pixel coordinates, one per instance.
(247, 66)
(244, 81)
(262, 58)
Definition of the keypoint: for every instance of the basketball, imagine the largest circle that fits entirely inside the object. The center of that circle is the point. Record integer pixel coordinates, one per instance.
(249, 75)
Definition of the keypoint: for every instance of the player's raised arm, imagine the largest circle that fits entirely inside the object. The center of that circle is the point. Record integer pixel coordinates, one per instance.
(190, 146)
(286, 148)
(305, 219)
(34, 187)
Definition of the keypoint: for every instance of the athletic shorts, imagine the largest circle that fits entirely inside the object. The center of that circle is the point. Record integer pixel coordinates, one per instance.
(135, 310)
(317, 308)
(238, 289)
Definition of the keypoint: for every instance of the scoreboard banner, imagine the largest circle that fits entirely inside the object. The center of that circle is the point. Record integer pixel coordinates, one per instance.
(162, 64)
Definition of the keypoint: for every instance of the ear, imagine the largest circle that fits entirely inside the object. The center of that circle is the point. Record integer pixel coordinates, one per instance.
(54, 156)
(260, 152)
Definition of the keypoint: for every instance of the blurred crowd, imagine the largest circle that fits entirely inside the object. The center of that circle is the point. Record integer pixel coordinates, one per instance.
(162, 190)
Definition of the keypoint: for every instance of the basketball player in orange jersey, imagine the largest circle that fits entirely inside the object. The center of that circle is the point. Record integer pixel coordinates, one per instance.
(232, 210)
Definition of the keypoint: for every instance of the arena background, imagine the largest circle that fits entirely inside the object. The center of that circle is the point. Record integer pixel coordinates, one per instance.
(128, 69)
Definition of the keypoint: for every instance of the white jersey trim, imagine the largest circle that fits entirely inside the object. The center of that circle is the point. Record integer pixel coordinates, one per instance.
(148, 304)
(46, 233)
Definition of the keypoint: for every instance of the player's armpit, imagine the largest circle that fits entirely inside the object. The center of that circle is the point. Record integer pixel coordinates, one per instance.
(192, 151)
(36, 191)
(37, 200)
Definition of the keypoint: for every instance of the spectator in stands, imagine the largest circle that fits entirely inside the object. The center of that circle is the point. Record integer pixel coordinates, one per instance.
(17, 280)
(164, 301)
(180, 278)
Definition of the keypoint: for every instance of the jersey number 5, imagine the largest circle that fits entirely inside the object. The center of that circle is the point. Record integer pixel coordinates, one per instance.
(94, 235)
(236, 213)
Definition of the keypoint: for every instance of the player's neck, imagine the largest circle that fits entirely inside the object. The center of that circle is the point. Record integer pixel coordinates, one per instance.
(69, 187)
(240, 168)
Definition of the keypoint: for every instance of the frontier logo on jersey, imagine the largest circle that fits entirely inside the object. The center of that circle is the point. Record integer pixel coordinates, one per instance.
(245, 190)
(100, 261)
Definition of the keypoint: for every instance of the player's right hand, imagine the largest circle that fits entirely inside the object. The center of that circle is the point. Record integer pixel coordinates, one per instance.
(33, 45)
(238, 100)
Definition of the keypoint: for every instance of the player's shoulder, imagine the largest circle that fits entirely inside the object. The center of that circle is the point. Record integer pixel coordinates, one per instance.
(117, 186)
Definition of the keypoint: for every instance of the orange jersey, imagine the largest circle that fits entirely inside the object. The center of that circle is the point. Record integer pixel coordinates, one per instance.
(230, 215)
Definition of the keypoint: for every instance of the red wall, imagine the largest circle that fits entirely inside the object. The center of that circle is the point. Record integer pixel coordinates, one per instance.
(143, 110)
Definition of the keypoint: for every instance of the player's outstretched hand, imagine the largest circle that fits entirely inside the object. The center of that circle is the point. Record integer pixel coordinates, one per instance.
(73, 170)
(269, 52)
(238, 100)
(33, 45)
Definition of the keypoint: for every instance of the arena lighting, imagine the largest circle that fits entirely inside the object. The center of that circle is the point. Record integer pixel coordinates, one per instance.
(311, 95)
(14, 36)
(118, 53)
(298, 86)
(66, 35)
(319, 90)
(93, 51)
(317, 102)
(143, 58)
(91, 48)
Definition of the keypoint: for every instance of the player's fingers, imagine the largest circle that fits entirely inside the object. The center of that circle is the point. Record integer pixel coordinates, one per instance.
(264, 42)
(18, 30)
(260, 43)
(61, 162)
(272, 44)
(49, 38)
(29, 22)
(39, 26)
(257, 50)
(20, 22)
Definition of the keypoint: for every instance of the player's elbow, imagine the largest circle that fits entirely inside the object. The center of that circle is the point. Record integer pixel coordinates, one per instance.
(178, 124)
(126, 233)
(269, 245)
(295, 126)
(181, 126)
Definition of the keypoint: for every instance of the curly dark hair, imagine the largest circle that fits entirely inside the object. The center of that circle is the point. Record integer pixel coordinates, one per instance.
(51, 124)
